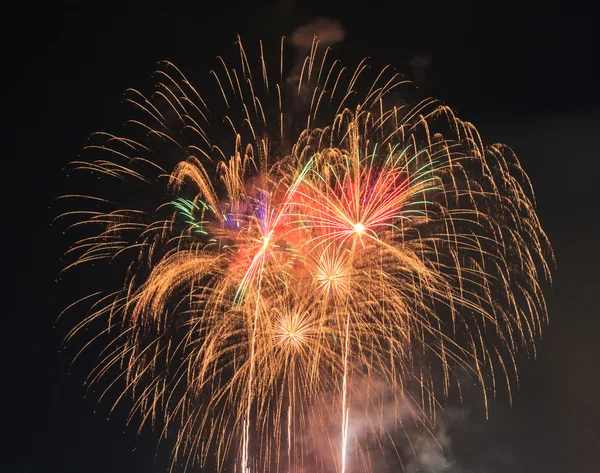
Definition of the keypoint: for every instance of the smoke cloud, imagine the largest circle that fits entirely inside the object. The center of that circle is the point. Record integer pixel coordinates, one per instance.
(388, 434)
(327, 31)
(420, 64)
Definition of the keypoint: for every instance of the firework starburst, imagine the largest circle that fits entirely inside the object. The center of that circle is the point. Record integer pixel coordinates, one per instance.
(275, 264)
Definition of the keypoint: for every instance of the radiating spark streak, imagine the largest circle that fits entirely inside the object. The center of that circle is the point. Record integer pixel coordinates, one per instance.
(289, 438)
(345, 408)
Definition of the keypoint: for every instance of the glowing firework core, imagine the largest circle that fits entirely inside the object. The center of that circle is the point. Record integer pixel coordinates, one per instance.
(359, 228)
(292, 330)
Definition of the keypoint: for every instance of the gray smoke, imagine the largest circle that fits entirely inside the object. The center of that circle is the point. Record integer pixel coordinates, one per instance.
(462, 440)
(420, 64)
(327, 31)
(432, 454)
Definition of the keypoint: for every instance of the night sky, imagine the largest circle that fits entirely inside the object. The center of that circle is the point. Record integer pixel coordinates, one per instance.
(526, 76)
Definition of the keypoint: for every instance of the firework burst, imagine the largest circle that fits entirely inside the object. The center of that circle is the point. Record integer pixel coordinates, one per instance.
(276, 261)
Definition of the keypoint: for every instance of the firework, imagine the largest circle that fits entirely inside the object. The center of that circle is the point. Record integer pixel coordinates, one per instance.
(299, 252)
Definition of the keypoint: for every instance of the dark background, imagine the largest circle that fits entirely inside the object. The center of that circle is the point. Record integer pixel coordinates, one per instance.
(525, 74)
